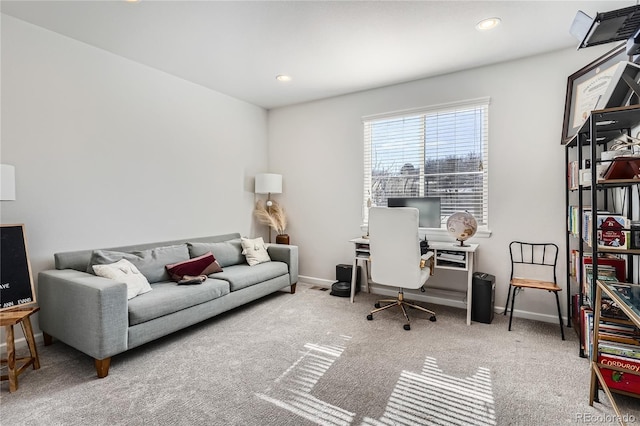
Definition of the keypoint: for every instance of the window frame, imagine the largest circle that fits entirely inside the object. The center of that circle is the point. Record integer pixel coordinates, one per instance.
(484, 103)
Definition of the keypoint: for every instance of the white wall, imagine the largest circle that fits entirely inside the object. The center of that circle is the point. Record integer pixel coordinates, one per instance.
(318, 147)
(110, 152)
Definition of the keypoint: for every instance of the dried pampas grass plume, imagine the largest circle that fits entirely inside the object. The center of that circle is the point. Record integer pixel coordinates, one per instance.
(273, 216)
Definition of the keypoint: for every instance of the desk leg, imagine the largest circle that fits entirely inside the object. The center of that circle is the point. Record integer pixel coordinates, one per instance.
(353, 278)
(469, 287)
(366, 266)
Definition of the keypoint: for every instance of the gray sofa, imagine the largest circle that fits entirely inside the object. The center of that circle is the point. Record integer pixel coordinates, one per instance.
(93, 315)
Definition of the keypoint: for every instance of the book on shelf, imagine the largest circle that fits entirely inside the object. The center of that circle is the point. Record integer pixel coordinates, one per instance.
(605, 273)
(576, 303)
(612, 229)
(620, 361)
(616, 337)
(620, 327)
(573, 219)
(620, 349)
(587, 226)
(586, 327)
(620, 380)
(619, 263)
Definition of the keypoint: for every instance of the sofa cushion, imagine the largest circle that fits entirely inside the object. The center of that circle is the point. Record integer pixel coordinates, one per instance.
(226, 253)
(254, 251)
(168, 297)
(125, 272)
(201, 265)
(241, 276)
(151, 263)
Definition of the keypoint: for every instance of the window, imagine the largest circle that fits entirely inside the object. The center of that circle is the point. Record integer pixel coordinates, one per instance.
(439, 151)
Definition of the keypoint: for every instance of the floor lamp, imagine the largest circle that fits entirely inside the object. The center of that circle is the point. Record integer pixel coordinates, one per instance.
(268, 183)
(7, 182)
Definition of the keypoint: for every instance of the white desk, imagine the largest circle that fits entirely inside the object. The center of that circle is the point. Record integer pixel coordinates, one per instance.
(448, 255)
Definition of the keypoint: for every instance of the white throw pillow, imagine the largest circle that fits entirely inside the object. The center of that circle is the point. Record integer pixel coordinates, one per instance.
(254, 250)
(126, 272)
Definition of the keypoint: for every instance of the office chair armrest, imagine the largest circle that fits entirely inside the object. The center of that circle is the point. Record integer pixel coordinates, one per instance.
(428, 255)
(427, 259)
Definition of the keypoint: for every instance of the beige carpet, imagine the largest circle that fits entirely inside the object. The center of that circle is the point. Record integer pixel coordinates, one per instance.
(312, 358)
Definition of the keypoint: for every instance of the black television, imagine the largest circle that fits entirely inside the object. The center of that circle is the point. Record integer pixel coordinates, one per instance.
(428, 208)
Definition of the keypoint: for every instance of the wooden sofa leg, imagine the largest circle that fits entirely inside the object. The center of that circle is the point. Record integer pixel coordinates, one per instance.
(48, 339)
(293, 288)
(102, 367)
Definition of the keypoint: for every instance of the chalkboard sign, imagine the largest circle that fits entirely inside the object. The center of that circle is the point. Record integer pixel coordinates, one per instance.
(16, 282)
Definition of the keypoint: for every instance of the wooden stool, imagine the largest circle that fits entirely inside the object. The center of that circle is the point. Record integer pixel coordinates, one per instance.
(8, 319)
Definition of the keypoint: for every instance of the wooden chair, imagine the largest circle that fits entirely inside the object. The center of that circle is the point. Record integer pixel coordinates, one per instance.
(16, 366)
(533, 265)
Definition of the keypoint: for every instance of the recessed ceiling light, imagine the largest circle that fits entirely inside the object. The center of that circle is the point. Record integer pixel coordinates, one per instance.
(283, 77)
(487, 24)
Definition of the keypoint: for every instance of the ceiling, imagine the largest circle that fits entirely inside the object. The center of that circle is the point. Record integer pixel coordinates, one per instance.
(328, 48)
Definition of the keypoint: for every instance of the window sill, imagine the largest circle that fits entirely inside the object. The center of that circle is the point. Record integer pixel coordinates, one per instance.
(439, 234)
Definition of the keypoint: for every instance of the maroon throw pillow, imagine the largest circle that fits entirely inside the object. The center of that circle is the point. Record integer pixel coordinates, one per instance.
(201, 265)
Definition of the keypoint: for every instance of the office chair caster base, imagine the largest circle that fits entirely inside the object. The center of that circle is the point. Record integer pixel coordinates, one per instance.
(433, 318)
(369, 317)
(376, 305)
(407, 327)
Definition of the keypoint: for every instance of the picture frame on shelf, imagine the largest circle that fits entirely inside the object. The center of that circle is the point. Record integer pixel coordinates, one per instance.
(585, 87)
(622, 87)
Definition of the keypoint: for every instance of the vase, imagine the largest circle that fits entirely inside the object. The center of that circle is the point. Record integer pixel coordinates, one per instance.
(282, 239)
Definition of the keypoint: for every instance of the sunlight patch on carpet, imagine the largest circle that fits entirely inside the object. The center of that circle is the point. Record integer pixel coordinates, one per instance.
(298, 381)
(430, 397)
(435, 398)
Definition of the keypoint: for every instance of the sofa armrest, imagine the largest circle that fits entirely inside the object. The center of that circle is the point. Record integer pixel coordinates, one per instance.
(287, 254)
(84, 311)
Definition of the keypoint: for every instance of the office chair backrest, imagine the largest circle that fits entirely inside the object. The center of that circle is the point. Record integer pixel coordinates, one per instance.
(394, 244)
(533, 260)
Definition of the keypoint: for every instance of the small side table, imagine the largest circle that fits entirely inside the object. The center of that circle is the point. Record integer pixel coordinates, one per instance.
(8, 319)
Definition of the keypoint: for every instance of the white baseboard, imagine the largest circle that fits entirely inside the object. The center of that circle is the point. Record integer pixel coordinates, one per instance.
(316, 281)
(438, 297)
(22, 342)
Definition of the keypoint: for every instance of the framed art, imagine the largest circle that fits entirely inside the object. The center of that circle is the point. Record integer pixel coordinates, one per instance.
(623, 88)
(585, 87)
(16, 282)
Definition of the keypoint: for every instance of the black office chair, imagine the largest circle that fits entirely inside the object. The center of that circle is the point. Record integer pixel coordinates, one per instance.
(533, 265)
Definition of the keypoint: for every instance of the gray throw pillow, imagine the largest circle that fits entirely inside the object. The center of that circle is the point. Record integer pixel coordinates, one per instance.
(151, 263)
(227, 253)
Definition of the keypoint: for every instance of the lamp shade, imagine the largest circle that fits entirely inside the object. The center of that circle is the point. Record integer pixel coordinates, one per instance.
(7, 182)
(268, 183)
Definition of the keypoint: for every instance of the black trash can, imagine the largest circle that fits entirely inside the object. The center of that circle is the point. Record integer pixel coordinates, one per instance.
(483, 297)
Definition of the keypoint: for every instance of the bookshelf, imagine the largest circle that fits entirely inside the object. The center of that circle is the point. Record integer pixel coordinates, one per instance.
(584, 189)
(601, 255)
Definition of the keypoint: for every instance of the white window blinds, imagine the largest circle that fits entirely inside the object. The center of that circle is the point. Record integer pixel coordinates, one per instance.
(439, 151)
